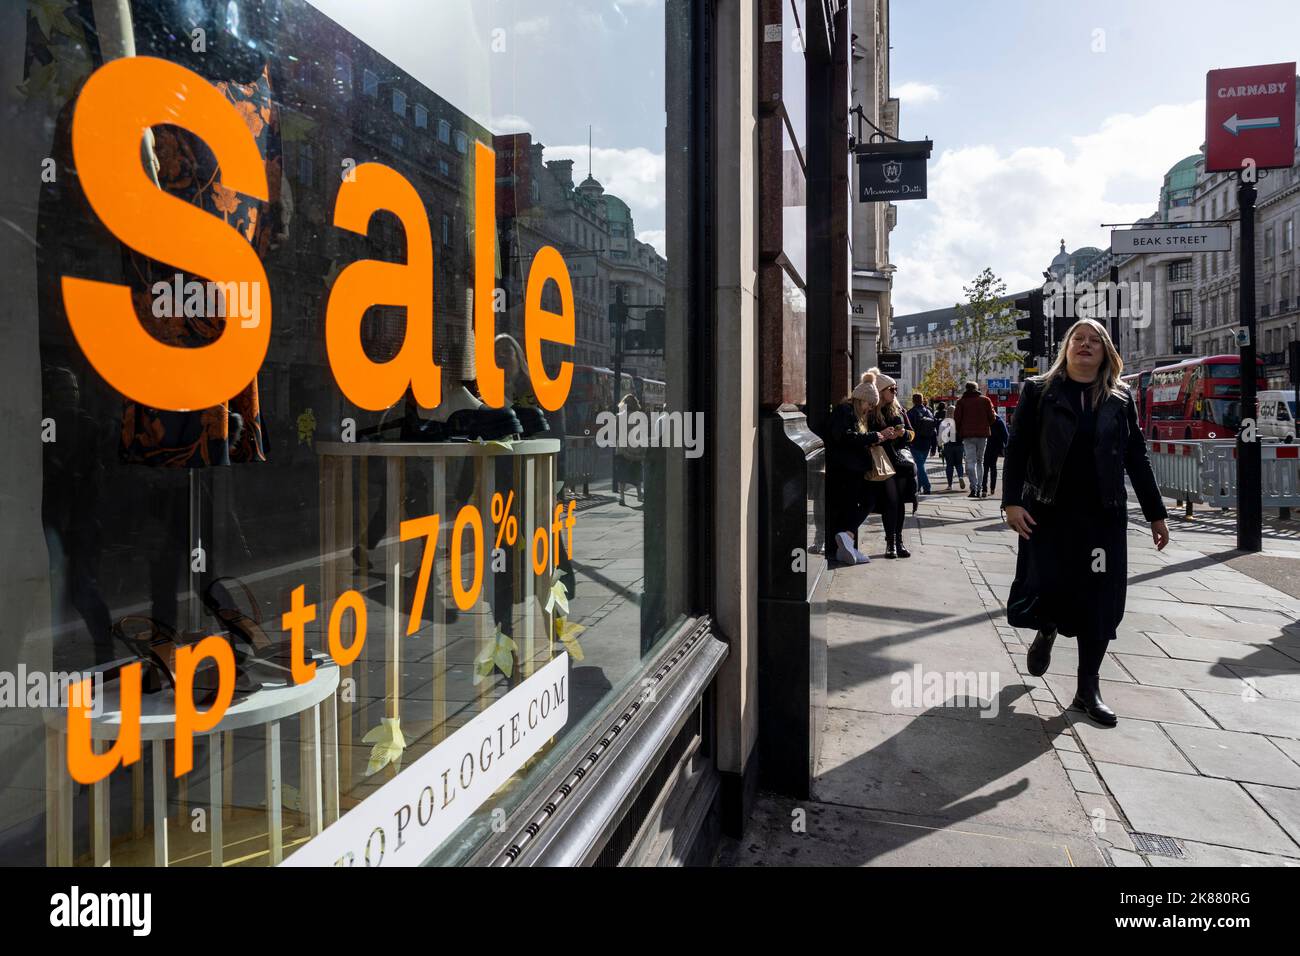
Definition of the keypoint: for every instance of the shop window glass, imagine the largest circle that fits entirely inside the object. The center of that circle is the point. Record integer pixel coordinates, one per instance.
(273, 493)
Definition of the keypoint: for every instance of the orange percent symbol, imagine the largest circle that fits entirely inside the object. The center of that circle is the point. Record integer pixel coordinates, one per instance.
(507, 524)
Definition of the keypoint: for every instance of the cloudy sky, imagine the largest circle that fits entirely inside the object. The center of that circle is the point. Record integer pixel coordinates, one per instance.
(547, 67)
(1049, 118)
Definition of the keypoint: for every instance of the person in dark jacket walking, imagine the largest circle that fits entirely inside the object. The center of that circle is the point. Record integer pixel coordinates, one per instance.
(926, 427)
(997, 444)
(1074, 436)
(974, 420)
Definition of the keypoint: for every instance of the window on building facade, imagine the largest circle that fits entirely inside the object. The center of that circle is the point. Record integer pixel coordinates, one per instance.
(342, 73)
(1180, 271)
(307, 164)
(291, 518)
(1268, 242)
(1288, 235)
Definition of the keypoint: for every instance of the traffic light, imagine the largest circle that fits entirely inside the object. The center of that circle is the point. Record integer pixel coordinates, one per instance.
(1061, 321)
(617, 313)
(1031, 323)
(654, 329)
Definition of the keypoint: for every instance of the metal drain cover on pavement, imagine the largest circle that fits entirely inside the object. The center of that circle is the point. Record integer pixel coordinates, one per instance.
(1155, 844)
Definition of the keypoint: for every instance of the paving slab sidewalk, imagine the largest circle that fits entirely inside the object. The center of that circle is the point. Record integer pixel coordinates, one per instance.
(925, 763)
(1205, 675)
(937, 752)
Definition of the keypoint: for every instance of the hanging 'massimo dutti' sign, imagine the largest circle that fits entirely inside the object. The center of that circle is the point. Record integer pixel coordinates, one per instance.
(888, 172)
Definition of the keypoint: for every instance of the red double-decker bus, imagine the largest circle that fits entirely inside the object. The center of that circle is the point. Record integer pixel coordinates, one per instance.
(1139, 384)
(1199, 398)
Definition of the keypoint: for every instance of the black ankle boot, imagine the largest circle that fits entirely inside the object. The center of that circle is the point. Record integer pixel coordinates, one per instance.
(889, 546)
(1040, 653)
(1088, 699)
(898, 546)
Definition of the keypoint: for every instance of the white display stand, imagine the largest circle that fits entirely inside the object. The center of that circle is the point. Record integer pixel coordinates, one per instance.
(343, 527)
(313, 701)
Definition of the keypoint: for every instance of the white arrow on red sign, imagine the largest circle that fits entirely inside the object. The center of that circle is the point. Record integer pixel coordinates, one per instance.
(1232, 124)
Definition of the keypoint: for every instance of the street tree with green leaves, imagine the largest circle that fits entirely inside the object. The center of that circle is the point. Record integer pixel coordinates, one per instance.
(985, 328)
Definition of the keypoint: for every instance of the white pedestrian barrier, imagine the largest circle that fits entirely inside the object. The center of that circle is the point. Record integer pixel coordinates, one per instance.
(1205, 472)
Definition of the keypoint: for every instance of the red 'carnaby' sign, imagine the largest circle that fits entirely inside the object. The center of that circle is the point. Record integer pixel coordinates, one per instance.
(1250, 115)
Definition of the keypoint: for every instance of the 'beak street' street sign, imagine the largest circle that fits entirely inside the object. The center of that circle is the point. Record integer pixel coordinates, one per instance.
(888, 172)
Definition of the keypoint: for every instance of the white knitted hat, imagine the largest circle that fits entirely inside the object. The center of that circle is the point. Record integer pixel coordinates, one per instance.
(883, 381)
(866, 390)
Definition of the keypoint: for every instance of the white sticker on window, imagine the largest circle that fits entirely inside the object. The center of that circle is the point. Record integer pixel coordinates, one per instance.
(405, 820)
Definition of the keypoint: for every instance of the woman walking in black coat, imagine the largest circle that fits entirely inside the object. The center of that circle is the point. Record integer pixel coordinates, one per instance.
(1074, 435)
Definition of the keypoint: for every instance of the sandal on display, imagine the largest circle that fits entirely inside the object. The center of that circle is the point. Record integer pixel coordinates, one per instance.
(154, 645)
(461, 417)
(248, 629)
(531, 419)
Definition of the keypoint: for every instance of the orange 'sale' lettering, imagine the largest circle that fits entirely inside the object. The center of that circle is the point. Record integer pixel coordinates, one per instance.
(541, 325)
(491, 380)
(84, 764)
(119, 102)
(375, 385)
(188, 719)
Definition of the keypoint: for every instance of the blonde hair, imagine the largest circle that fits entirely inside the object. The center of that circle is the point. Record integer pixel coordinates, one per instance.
(1112, 366)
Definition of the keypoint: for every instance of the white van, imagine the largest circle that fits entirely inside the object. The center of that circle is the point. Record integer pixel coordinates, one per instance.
(1277, 414)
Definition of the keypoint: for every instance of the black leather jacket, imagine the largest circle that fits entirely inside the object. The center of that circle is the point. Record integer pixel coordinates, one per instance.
(1041, 431)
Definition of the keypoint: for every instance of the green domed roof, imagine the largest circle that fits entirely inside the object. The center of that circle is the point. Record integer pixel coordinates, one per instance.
(1182, 175)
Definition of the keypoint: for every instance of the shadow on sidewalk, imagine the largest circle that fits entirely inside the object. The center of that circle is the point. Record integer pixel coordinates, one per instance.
(942, 769)
(981, 791)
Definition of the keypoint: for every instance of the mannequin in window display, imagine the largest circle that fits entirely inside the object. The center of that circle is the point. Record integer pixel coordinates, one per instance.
(148, 506)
